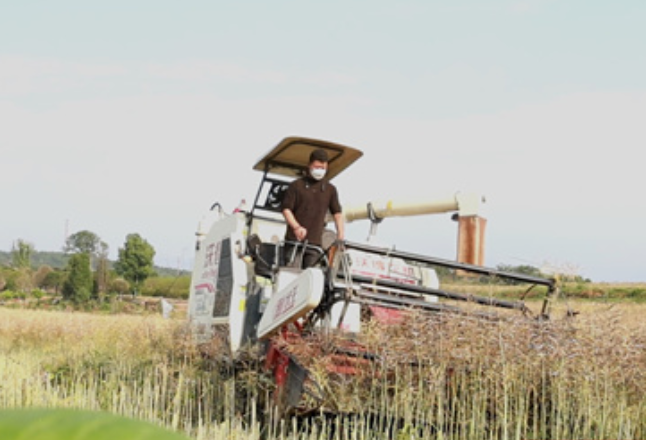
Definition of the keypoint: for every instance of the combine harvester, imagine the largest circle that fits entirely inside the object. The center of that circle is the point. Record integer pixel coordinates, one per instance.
(246, 292)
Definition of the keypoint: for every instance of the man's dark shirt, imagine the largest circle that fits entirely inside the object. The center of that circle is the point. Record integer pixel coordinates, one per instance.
(310, 200)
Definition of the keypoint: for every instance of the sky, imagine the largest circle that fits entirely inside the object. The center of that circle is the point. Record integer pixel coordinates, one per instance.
(136, 116)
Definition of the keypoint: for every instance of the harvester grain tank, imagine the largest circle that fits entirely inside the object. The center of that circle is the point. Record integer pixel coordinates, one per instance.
(246, 290)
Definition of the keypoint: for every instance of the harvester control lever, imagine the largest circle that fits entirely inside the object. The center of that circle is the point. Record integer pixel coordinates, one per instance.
(374, 219)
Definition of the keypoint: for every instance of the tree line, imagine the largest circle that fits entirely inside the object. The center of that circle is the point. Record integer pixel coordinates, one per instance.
(87, 274)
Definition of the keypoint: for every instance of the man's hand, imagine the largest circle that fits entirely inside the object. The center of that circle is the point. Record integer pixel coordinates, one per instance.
(300, 233)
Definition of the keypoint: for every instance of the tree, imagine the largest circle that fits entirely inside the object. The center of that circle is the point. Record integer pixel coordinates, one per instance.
(523, 269)
(53, 281)
(135, 262)
(85, 242)
(101, 277)
(41, 275)
(102, 273)
(21, 253)
(78, 285)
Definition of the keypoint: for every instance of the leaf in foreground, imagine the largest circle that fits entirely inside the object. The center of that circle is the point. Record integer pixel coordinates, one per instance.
(69, 424)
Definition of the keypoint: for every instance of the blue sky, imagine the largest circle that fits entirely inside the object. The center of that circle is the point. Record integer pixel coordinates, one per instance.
(121, 117)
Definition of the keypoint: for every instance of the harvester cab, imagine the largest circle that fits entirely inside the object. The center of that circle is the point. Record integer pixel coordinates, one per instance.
(248, 289)
(245, 285)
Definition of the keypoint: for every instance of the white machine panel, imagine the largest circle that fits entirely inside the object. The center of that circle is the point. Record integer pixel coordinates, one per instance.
(292, 302)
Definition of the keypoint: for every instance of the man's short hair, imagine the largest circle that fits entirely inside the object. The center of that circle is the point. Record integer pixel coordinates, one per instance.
(319, 154)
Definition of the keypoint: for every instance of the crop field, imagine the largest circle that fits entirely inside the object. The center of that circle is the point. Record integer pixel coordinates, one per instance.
(448, 378)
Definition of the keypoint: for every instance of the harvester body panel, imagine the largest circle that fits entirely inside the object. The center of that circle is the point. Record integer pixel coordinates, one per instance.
(219, 282)
(292, 302)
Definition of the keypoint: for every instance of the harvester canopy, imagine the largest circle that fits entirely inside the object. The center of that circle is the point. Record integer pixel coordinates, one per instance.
(291, 156)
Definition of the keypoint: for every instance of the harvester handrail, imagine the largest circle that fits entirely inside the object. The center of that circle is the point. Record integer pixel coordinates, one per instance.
(481, 270)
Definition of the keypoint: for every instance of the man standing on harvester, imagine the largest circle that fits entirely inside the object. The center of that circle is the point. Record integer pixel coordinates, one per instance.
(305, 205)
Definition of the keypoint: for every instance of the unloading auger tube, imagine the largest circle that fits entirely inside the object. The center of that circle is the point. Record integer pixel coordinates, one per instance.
(467, 209)
(466, 204)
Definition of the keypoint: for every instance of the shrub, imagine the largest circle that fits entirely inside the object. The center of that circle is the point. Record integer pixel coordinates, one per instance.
(119, 286)
(37, 293)
(167, 287)
(11, 294)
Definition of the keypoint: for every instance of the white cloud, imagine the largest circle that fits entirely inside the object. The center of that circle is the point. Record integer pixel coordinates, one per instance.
(201, 70)
(21, 76)
(529, 6)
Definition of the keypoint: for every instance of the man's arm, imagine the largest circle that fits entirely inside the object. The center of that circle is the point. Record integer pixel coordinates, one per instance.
(299, 230)
(340, 226)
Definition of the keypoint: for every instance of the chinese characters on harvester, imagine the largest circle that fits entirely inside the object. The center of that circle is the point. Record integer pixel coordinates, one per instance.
(212, 261)
(286, 303)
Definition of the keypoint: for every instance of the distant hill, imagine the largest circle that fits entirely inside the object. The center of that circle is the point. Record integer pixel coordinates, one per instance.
(58, 260)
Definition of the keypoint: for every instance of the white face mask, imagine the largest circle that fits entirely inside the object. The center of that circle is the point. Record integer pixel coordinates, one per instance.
(318, 173)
